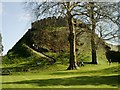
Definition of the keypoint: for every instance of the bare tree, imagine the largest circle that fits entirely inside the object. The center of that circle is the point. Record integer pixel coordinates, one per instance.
(107, 30)
(103, 19)
(108, 23)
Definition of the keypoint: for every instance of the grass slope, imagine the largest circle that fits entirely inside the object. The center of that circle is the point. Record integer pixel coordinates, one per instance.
(89, 76)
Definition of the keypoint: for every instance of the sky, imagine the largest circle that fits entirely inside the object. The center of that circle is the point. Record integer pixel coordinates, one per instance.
(14, 22)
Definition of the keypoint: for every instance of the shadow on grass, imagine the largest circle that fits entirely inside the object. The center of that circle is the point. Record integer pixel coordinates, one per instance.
(81, 80)
(110, 70)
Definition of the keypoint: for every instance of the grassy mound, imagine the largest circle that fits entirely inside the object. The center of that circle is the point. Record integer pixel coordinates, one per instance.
(54, 38)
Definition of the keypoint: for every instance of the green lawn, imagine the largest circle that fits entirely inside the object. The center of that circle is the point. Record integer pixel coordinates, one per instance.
(89, 76)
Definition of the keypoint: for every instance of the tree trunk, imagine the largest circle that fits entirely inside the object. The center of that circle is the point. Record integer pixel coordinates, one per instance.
(93, 45)
(71, 38)
(72, 60)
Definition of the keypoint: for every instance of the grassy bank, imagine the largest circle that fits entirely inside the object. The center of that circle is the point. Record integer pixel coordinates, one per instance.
(89, 76)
